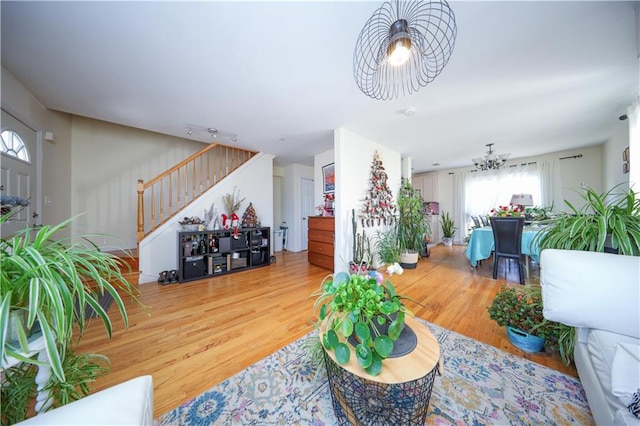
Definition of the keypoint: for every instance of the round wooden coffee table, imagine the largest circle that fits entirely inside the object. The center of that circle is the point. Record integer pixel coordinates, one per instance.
(399, 395)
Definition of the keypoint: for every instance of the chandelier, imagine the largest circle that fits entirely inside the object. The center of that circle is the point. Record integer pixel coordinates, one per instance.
(491, 161)
(403, 46)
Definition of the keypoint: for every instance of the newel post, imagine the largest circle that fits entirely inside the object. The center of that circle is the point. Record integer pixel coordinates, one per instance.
(140, 234)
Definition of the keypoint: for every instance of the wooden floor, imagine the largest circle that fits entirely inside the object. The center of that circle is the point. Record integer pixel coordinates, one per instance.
(192, 336)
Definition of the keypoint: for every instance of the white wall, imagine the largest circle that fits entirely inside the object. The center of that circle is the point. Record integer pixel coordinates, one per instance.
(353, 158)
(278, 174)
(612, 158)
(291, 212)
(107, 161)
(254, 181)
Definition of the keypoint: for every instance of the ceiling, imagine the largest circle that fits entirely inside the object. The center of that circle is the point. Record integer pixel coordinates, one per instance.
(531, 77)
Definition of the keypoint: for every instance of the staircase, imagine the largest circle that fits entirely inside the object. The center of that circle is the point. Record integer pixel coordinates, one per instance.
(162, 198)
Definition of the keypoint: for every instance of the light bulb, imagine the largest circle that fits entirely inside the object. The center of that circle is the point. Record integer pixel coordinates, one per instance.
(400, 51)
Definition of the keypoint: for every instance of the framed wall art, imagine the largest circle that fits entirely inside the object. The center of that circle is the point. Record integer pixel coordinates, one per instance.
(626, 161)
(431, 207)
(329, 178)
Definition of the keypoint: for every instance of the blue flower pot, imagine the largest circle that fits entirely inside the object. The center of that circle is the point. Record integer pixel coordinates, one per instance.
(525, 341)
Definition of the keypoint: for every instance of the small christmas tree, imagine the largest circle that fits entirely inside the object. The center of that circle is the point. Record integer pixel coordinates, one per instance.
(249, 218)
(379, 205)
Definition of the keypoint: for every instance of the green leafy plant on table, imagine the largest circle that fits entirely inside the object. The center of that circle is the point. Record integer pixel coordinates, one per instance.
(512, 210)
(521, 308)
(53, 282)
(358, 305)
(538, 214)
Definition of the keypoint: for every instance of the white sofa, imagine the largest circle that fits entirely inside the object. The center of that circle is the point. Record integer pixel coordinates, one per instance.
(598, 293)
(128, 403)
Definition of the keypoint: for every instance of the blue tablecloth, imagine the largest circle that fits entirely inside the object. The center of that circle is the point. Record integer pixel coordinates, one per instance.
(481, 244)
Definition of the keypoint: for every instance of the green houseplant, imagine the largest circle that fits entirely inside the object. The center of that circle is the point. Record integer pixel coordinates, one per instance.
(609, 221)
(448, 229)
(412, 227)
(53, 282)
(386, 246)
(521, 308)
(371, 311)
(361, 248)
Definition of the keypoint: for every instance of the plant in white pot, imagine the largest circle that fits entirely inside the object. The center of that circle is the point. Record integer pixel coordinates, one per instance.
(54, 282)
(412, 226)
(448, 229)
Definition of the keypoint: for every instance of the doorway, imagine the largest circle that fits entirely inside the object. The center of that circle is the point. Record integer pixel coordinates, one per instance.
(19, 176)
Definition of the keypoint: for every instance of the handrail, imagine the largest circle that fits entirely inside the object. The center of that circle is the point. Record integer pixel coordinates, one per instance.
(175, 188)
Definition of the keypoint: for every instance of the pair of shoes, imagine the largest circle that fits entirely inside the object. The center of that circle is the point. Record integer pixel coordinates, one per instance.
(163, 278)
(173, 276)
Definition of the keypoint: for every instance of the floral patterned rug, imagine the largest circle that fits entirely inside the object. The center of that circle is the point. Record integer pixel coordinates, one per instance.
(480, 385)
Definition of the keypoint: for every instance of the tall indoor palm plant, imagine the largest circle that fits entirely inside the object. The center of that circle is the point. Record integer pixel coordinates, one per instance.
(412, 226)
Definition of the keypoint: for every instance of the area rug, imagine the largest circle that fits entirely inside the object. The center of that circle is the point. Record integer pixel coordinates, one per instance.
(480, 385)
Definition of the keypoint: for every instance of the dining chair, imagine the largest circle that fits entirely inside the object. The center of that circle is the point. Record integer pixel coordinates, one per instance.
(484, 220)
(507, 236)
(476, 221)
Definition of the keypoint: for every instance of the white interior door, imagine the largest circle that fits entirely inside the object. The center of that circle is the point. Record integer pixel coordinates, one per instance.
(19, 174)
(306, 210)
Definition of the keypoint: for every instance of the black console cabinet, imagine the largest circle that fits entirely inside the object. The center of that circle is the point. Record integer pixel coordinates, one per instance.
(203, 254)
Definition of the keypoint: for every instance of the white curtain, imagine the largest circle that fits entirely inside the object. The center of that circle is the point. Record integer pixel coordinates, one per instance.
(550, 184)
(489, 189)
(633, 113)
(459, 216)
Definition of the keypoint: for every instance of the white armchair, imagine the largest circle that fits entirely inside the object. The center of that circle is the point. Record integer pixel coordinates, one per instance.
(128, 403)
(599, 293)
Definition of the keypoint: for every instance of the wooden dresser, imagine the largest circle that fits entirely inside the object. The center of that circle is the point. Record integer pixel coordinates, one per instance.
(321, 236)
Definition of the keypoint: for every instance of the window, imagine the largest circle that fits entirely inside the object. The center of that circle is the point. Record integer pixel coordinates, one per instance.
(485, 191)
(14, 146)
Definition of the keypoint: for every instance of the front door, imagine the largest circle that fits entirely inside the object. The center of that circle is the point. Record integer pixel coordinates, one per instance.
(18, 179)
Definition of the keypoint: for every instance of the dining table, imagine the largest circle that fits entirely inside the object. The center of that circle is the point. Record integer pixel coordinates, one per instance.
(481, 243)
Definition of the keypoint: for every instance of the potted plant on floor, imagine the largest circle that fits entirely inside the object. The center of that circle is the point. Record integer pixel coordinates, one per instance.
(386, 246)
(448, 229)
(359, 315)
(53, 282)
(362, 260)
(519, 309)
(412, 226)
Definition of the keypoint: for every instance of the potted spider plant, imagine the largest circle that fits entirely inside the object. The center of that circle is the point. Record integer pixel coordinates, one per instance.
(386, 246)
(607, 222)
(54, 282)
